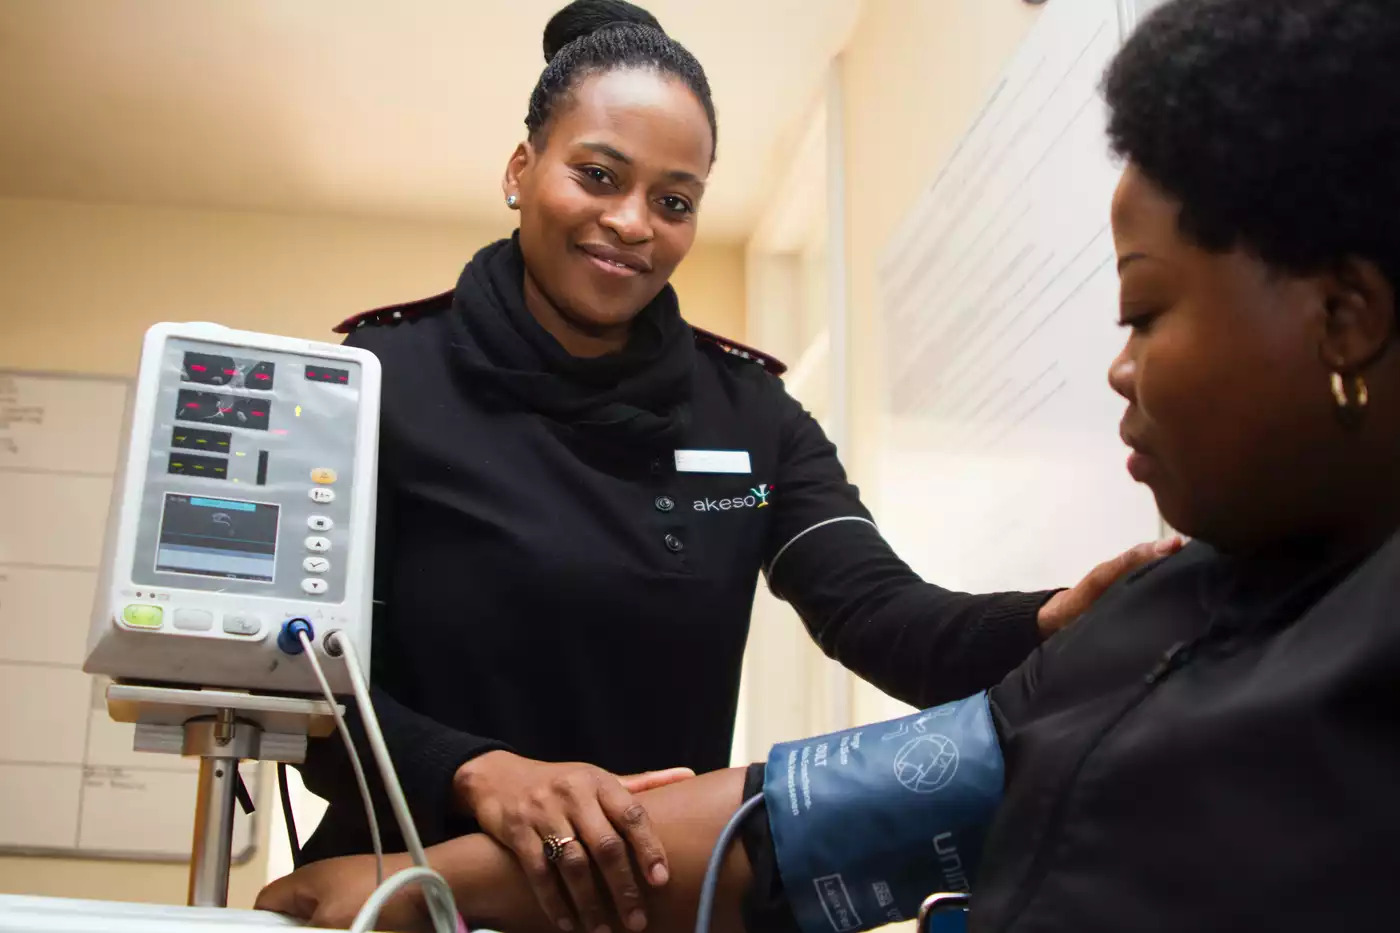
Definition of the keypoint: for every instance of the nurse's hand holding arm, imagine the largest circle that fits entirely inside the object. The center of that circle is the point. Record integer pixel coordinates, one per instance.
(510, 798)
(493, 890)
(591, 817)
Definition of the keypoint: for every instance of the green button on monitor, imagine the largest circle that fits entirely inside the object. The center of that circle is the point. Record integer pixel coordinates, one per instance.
(143, 616)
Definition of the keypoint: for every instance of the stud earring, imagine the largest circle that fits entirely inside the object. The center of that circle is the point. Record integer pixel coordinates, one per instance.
(1351, 399)
(511, 201)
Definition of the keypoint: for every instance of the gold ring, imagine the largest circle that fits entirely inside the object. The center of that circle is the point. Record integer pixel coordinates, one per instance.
(554, 847)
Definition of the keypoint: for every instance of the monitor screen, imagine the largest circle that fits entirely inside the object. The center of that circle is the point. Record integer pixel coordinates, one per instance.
(224, 538)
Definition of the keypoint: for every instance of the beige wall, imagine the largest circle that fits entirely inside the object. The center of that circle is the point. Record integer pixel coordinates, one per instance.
(914, 74)
(147, 882)
(710, 284)
(79, 283)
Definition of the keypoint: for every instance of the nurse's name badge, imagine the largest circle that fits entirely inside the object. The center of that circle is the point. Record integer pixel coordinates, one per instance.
(732, 462)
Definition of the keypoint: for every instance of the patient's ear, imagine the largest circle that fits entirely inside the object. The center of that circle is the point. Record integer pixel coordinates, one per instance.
(1360, 315)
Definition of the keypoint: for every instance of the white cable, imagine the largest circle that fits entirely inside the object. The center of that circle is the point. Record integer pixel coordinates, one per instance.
(432, 882)
(354, 756)
(441, 903)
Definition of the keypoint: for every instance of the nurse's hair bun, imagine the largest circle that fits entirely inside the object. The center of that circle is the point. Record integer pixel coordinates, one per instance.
(585, 17)
(592, 37)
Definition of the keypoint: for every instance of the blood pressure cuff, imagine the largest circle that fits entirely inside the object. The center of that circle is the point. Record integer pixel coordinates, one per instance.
(866, 823)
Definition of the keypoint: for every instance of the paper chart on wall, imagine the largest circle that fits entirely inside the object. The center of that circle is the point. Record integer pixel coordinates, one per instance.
(70, 784)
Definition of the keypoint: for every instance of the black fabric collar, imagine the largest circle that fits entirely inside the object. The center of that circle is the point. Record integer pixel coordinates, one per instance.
(640, 394)
(1271, 589)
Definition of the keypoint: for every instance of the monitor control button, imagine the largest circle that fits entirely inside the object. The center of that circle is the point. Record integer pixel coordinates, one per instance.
(194, 620)
(138, 616)
(242, 624)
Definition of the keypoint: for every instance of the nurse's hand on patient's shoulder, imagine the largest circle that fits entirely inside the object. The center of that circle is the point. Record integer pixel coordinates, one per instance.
(521, 803)
(1068, 605)
(329, 894)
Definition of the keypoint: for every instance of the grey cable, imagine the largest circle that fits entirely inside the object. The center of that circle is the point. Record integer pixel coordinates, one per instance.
(368, 916)
(354, 757)
(706, 908)
(441, 905)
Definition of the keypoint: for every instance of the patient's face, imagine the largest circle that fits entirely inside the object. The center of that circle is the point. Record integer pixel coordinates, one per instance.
(1228, 399)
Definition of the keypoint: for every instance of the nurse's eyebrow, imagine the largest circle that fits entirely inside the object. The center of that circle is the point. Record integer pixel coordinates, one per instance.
(611, 153)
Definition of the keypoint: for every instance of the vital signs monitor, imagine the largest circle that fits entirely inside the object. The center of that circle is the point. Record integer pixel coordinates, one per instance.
(246, 501)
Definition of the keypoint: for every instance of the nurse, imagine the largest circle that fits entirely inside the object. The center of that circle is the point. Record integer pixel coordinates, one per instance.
(579, 492)
(1213, 747)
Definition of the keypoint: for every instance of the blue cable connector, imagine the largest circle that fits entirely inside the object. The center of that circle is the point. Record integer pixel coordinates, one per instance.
(288, 639)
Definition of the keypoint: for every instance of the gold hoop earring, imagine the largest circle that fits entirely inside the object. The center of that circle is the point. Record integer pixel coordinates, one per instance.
(1351, 399)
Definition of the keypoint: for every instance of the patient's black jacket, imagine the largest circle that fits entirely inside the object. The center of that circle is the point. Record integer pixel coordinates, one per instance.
(1215, 746)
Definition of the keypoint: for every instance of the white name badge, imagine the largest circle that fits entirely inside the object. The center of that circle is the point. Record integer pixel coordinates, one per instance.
(713, 461)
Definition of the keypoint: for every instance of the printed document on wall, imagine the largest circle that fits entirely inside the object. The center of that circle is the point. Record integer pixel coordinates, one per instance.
(70, 783)
(1003, 467)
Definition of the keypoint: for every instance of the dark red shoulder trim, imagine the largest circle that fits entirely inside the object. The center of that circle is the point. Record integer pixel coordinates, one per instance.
(392, 314)
(772, 364)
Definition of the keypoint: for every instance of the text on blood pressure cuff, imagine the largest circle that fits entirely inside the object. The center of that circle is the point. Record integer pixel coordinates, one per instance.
(868, 822)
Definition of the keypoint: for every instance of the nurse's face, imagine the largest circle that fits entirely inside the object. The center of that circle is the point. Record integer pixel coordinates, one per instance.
(1226, 372)
(608, 195)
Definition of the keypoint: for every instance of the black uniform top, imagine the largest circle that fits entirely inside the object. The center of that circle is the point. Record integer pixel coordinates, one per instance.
(1212, 747)
(571, 595)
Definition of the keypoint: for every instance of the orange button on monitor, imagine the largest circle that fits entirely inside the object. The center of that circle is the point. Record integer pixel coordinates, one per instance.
(323, 475)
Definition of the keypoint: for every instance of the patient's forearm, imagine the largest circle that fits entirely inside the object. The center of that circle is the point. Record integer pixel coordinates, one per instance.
(491, 888)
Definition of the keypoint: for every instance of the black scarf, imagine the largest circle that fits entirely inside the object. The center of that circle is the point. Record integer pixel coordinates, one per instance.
(640, 394)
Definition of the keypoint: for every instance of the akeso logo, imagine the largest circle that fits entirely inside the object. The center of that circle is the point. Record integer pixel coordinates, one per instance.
(757, 498)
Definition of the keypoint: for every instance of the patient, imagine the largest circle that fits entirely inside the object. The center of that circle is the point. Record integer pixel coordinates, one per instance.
(1216, 745)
